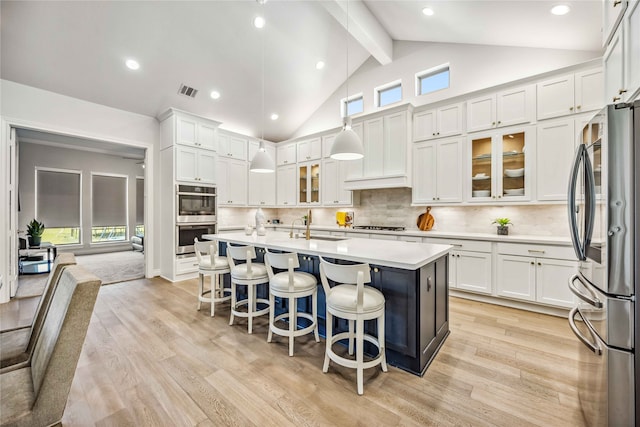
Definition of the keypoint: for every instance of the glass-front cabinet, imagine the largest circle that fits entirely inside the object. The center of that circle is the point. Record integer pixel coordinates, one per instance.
(499, 168)
(309, 183)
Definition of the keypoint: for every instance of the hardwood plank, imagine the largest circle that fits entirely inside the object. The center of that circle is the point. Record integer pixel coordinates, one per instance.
(150, 358)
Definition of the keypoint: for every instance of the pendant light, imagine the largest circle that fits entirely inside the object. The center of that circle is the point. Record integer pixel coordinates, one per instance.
(347, 145)
(262, 161)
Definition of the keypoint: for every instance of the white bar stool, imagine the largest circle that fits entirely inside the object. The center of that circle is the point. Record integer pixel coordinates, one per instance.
(292, 285)
(250, 274)
(355, 303)
(210, 264)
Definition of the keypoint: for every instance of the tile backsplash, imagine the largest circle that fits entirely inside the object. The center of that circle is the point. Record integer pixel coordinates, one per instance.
(393, 207)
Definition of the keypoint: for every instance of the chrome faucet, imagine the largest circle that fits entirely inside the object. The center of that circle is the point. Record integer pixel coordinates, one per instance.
(292, 224)
(307, 234)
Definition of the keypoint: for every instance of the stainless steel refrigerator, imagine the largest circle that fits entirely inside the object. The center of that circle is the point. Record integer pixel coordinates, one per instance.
(604, 217)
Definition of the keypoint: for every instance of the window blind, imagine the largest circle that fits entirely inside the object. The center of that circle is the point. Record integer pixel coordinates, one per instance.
(58, 198)
(108, 200)
(139, 201)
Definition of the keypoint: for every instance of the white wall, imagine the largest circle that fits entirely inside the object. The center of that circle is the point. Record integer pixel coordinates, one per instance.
(473, 68)
(32, 156)
(29, 107)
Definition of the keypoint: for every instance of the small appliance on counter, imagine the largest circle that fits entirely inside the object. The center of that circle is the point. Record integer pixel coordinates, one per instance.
(344, 219)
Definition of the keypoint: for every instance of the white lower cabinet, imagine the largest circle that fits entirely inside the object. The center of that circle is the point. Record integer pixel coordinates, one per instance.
(542, 278)
(286, 185)
(470, 271)
(232, 182)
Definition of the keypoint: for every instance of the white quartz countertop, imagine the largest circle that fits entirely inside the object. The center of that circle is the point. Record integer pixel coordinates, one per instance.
(512, 238)
(398, 254)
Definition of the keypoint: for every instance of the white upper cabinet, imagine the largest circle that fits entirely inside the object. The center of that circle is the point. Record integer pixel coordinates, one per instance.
(395, 144)
(612, 11)
(262, 189)
(327, 144)
(438, 123)
(506, 108)
(190, 130)
(195, 165)
(232, 182)
(334, 173)
(554, 156)
(286, 185)
(232, 146)
(570, 94)
(614, 69)
(373, 147)
(187, 131)
(286, 154)
(500, 165)
(310, 149)
(437, 171)
(632, 51)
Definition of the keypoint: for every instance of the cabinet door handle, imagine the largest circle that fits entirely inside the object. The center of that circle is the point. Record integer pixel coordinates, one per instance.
(617, 2)
(429, 283)
(532, 263)
(499, 122)
(578, 107)
(616, 98)
(537, 251)
(570, 108)
(621, 91)
(376, 270)
(493, 123)
(539, 263)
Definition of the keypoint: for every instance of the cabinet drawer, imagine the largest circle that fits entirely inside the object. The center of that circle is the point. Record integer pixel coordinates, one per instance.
(538, 251)
(462, 245)
(414, 239)
(186, 265)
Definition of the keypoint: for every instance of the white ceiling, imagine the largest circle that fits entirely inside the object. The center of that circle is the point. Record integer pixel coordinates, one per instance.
(78, 48)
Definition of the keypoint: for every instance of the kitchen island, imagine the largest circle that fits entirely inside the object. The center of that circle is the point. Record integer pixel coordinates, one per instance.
(412, 277)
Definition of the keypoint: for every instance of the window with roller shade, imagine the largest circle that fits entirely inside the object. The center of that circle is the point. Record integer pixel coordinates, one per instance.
(108, 208)
(140, 206)
(58, 205)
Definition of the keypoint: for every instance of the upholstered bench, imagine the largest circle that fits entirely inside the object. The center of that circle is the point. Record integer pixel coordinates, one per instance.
(36, 394)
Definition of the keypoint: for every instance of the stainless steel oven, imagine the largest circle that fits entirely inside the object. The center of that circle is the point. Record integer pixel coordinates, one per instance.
(185, 233)
(195, 203)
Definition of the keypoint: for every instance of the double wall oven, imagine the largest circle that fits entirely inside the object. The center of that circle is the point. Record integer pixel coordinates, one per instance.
(196, 214)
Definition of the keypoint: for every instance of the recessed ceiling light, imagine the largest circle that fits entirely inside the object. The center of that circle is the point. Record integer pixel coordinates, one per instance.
(132, 64)
(259, 22)
(274, 116)
(561, 9)
(319, 65)
(427, 11)
(215, 94)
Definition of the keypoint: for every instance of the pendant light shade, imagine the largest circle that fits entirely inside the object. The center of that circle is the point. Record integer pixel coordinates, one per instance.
(347, 145)
(262, 161)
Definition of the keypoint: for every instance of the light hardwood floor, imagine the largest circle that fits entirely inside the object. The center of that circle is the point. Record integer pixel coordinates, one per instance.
(151, 359)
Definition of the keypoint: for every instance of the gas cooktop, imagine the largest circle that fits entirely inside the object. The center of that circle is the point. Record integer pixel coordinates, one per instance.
(377, 227)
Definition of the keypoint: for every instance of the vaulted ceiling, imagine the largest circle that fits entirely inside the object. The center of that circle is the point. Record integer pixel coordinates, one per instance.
(78, 48)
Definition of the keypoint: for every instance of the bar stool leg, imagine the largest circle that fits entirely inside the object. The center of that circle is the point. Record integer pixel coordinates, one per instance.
(272, 316)
(381, 341)
(233, 301)
(214, 289)
(329, 338)
(314, 311)
(293, 307)
(200, 289)
(351, 337)
(251, 306)
(360, 354)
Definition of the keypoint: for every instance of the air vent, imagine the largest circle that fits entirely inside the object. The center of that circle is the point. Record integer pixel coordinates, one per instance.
(187, 91)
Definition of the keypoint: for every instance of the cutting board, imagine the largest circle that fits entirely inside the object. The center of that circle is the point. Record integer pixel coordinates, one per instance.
(425, 220)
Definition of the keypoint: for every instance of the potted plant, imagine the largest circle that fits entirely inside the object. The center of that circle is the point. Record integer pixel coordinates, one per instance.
(503, 230)
(34, 231)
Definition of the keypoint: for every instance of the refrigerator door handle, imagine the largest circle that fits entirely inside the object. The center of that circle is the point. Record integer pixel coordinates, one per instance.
(593, 346)
(589, 202)
(592, 299)
(571, 203)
